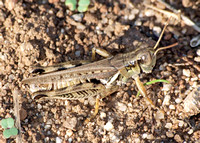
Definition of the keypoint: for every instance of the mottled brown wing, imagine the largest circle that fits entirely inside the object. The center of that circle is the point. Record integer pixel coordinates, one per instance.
(96, 70)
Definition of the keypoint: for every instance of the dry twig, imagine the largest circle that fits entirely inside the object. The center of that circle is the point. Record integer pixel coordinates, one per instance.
(17, 114)
(175, 14)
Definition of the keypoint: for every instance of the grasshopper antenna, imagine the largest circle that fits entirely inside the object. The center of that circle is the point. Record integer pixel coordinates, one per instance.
(161, 35)
(166, 47)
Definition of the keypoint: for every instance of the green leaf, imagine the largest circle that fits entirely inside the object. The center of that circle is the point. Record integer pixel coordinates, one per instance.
(152, 82)
(7, 123)
(71, 4)
(13, 131)
(83, 5)
(82, 8)
(6, 133)
(155, 81)
(4, 123)
(10, 122)
(84, 2)
(10, 132)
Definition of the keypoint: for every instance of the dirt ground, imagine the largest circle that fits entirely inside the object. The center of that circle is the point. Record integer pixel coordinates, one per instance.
(40, 33)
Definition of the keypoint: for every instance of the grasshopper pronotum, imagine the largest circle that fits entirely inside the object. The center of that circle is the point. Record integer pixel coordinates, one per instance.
(100, 78)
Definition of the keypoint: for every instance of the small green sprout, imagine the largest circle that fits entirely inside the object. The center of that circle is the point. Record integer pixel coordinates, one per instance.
(152, 82)
(71, 4)
(8, 125)
(82, 5)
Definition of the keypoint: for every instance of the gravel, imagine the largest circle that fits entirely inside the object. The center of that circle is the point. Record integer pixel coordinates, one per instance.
(40, 34)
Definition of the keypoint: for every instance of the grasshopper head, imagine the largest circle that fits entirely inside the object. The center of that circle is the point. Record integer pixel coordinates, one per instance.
(147, 60)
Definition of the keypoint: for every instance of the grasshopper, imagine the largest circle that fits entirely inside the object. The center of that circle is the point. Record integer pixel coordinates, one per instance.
(82, 79)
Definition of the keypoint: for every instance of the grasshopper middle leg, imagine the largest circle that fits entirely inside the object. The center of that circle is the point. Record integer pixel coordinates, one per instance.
(101, 52)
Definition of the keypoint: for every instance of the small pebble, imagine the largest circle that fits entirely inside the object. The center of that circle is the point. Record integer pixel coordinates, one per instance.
(78, 53)
(168, 37)
(159, 115)
(102, 115)
(114, 138)
(162, 67)
(23, 114)
(62, 30)
(131, 17)
(157, 30)
(47, 127)
(178, 138)
(166, 100)
(70, 140)
(149, 13)
(39, 106)
(67, 103)
(197, 59)
(26, 120)
(190, 131)
(48, 132)
(178, 100)
(150, 137)
(167, 73)
(172, 107)
(92, 100)
(186, 72)
(109, 126)
(144, 136)
(135, 11)
(168, 125)
(169, 134)
(166, 87)
(77, 17)
(46, 139)
(58, 140)
(122, 107)
(181, 123)
(69, 133)
(70, 123)
(185, 3)
(198, 52)
(11, 77)
(138, 23)
(80, 26)
(3, 56)
(184, 30)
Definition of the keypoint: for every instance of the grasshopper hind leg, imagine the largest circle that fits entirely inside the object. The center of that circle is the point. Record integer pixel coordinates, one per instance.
(77, 92)
(105, 92)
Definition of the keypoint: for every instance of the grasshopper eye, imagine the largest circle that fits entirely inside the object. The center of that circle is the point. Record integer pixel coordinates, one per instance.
(146, 58)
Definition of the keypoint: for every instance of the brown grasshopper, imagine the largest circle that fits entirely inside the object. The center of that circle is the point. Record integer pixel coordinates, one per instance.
(82, 79)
